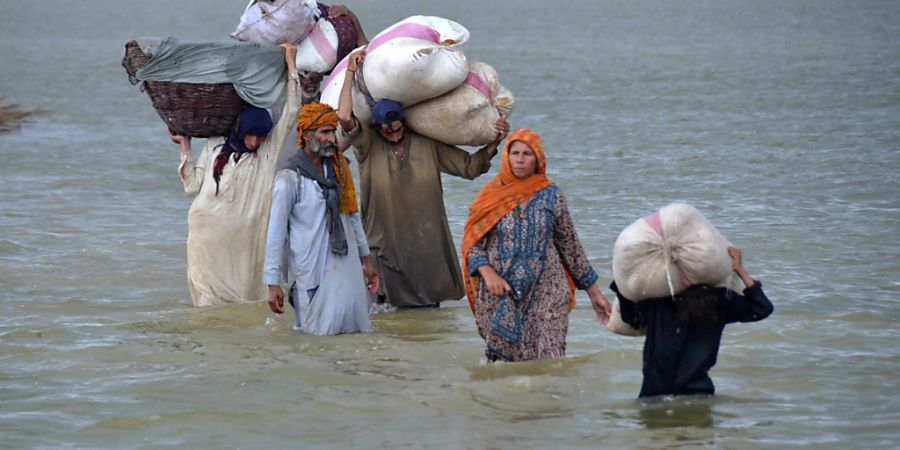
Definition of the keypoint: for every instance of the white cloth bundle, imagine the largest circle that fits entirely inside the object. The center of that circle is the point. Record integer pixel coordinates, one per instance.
(416, 59)
(668, 251)
(619, 326)
(318, 52)
(277, 22)
(465, 115)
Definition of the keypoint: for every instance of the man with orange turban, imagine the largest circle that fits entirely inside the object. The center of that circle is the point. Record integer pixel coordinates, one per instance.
(316, 241)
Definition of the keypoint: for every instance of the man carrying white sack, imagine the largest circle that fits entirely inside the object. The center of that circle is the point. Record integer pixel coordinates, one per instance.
(314, 221)
(402, 199)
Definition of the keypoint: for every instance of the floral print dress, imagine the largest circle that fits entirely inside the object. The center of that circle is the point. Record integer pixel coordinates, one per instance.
(530, 249)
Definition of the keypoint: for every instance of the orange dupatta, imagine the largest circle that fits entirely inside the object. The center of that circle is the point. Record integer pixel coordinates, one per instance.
(498, 197)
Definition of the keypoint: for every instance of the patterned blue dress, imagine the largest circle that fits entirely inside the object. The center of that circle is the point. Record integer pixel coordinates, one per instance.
(530, 248)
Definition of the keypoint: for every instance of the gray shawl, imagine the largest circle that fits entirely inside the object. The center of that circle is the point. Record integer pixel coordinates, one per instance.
(329, 184)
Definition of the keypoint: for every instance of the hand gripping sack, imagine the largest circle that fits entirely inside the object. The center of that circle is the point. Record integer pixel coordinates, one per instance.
(668, 251)
(277, 21)
(465, 115)
(413, 60)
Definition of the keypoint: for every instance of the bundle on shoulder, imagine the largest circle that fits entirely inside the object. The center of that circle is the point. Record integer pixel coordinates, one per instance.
(322, 40)
(668, 251)
(465, 115)
(277, 21)
(416, 59)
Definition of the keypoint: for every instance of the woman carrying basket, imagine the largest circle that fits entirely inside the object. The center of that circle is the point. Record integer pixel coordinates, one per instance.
(232, 185)
(522, 259)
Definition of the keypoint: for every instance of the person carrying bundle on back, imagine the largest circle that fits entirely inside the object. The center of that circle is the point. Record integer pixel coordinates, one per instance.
(231, 183)
(684, 331)
(402, 199)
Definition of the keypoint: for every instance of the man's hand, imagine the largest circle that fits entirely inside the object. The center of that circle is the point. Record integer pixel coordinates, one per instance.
(502, 127)
(290, 58)
(276, 299)
(355, 58)
(183, 141)
(370, 274)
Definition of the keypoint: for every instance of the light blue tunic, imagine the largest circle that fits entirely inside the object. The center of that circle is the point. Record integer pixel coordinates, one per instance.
(297, 252)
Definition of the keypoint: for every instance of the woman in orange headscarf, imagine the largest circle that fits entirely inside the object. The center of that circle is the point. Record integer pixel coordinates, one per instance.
(522, 259)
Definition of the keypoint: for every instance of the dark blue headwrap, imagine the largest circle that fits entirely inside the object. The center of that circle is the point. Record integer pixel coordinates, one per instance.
(252, 120)
(385, 111)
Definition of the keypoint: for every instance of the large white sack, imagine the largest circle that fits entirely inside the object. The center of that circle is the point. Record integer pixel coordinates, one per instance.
(277, 22)
(668, 251)
(418, 58)
(330, 40)
(318, 52)
(465, 115)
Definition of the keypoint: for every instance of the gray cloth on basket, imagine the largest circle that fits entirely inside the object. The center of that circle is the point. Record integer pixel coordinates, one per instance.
(256, 71)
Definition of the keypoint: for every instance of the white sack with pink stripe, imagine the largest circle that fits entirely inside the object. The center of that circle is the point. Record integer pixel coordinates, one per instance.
(664, 253)
(318, 52)
(418, 58)
(465, 115)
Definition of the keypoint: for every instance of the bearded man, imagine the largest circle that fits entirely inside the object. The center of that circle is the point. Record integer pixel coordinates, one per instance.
(316, 243)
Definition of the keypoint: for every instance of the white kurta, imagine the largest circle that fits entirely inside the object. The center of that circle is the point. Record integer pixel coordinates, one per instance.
(298, 230)
(227, 232)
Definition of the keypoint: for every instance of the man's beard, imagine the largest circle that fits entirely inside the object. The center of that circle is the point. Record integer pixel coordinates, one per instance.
(322, 148)
(310, 94)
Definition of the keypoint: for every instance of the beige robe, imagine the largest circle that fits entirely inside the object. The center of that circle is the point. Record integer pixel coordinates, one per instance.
(226, 241)
(403, 213)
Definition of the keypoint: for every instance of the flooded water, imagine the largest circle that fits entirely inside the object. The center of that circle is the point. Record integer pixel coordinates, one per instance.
(779, 120)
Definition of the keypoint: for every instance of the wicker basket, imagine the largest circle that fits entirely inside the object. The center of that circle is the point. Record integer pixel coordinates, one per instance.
(190, 109)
